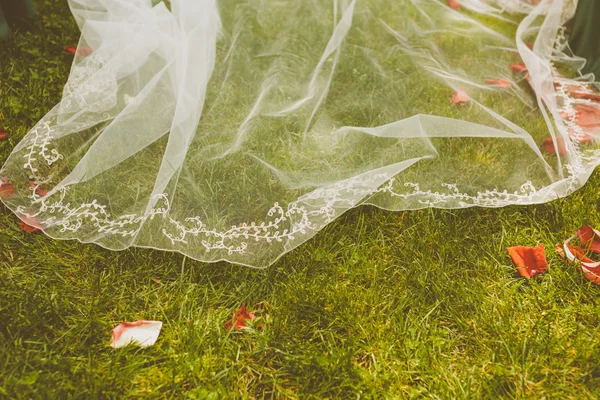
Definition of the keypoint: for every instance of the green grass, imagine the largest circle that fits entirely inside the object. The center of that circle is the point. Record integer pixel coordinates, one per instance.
(419, 304)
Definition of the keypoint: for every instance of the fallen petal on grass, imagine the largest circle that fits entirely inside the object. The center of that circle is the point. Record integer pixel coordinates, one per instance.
(575, 254)
(589, 238)
(3, 133)
(460, 96)
(550, 148)
(29, 224)
(500, 83)
(530, 261)
(7, 190)
(518, 68)
(583, 93)
(38, 190)
(240, 317)
(140, 333)
(581, 138)
(82, 52)
(72, 50)
(588, 117)
(454, 4)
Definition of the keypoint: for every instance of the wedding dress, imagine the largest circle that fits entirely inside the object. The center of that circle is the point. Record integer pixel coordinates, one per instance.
(236, 130)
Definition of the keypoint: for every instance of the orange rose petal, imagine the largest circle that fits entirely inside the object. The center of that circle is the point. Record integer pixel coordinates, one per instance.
(590, 276)
(240, 317)
(460, 96)
(71, 50)
(38, 190)
(3, 133)
(498, 83)
(590, 269)
(29, 224)
(530, 261)
(582, 139)
(7, 190)
(583, 93)
(454, 4)
(84, 51)
(588, 117)
(518, 68)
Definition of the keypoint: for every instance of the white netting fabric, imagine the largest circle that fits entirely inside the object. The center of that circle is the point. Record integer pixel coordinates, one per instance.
(235, 131)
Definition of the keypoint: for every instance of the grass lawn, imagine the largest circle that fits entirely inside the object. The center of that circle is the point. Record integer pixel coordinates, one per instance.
(419, 304)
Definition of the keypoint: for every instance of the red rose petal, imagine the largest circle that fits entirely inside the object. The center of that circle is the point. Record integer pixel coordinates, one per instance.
(530, 261)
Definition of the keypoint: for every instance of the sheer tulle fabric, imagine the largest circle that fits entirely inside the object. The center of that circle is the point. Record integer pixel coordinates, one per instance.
(230, 130)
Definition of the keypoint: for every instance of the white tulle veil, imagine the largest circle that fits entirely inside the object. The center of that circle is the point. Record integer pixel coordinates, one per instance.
(236, 130)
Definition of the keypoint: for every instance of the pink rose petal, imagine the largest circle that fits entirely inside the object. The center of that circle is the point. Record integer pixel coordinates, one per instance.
(141, 333)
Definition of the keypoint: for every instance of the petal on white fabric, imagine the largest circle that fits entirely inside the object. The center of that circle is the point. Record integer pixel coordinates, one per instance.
(141, 333)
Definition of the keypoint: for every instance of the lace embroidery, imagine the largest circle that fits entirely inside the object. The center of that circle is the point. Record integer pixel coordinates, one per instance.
(281, 223)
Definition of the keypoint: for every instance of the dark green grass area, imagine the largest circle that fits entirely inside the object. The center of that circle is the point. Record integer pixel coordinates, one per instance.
(420, 304)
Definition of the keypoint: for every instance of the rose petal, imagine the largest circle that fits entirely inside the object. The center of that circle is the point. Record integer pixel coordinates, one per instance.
(3, 133)
(460, 96)
(71, 50)
(29, 224)
(81, 52)
(590, 269)
(141, 333)
(38, 190)
(454, 4)
(589, 238)
(84, 51)
(583, 138)
(518, 68)
(530, 261)
(583, 93)
(7, 190)
(548, 145)
(498, 83)
(588, 117)
(240, 317)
